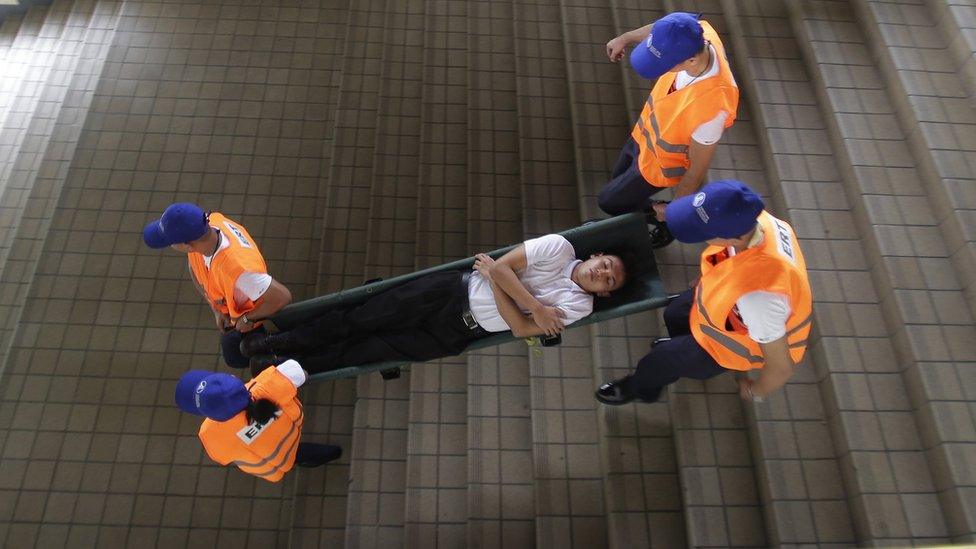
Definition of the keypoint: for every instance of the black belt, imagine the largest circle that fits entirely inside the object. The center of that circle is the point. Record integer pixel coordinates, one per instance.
(466, 317)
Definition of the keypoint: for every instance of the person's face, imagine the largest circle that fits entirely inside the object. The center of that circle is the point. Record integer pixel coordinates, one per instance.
(601, 274)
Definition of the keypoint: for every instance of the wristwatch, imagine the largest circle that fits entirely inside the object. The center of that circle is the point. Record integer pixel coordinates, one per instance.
(245, 320)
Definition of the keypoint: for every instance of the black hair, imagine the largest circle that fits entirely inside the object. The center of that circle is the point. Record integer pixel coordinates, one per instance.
(260, 411)
(631, 266)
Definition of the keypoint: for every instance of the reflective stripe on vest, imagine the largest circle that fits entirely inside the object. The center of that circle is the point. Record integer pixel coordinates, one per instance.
(777, 264)
(676, 171)
(274, 468)
(669, 118)
(241, 255)
(271, 451)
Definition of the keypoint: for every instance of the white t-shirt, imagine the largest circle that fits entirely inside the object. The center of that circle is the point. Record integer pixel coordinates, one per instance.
(550, 261)
(764, 313)
(293, 371)
(250, 285)
(709, 132)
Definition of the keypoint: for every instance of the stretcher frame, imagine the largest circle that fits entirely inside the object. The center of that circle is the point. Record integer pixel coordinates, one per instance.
(625, 233)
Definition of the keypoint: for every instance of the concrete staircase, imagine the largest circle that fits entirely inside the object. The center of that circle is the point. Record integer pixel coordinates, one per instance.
(368, 139)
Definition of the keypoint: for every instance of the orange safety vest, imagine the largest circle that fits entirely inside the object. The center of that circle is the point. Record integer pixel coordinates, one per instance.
(775, 265)
(663, 131)
(266, 451)
(241, 256)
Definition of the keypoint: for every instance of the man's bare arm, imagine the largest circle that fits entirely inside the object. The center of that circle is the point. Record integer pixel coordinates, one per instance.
(700, 157)
(616, 47)
(503, 273)
(274, 298)
(776, 372)
(521, 324)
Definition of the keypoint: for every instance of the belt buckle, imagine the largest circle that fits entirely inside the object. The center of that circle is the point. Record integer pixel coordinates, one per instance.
(469, 320)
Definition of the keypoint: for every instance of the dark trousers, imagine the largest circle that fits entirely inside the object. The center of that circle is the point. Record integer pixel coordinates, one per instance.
(679, 357)
(627, 191)
(417, 321)
(230, 347)
(312, 454)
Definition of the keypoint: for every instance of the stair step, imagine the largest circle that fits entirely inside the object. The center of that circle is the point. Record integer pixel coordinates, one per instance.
(957, 22)
(437, 464)
(29, 205)
(29, 62)
(500, 482)
(19, 56)
(494, 187)
(392, 225)
(391, 230)
(354, 515)
(377, 475)
(847, 313)
(569, 498)
(437, 444)
(8, 33)
(912, 310)
(39, 107)
(500, 487)
(921, 81)
(640, 484)
(443, 186)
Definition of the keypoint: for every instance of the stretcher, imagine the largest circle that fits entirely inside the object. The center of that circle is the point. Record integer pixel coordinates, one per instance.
(621, 234)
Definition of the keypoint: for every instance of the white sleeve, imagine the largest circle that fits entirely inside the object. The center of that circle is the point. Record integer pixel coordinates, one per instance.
(578, 306)
(548, 248)
(293, 371)
(252, 285)
(710, 132)
(765, 315)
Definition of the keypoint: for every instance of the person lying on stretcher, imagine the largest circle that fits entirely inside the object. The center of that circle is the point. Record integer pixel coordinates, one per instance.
(540, 287)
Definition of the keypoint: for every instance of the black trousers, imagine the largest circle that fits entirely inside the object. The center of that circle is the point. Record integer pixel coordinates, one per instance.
(671, 360)
(627, 191)
(417, 321)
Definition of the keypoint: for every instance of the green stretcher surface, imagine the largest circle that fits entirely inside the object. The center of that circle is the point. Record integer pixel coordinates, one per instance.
(615, 235)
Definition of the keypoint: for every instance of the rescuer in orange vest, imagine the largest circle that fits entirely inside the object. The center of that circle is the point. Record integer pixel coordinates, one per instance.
(751, 308)
(693, 101)
(255, 427)
(227, 269)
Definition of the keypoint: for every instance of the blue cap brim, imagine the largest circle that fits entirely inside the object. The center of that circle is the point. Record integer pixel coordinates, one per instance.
(646, 65)
(683, 221)
(153, 236)
(185, 389)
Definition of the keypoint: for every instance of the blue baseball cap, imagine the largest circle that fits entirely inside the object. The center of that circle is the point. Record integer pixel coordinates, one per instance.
(721, 209)
(674, 38)
(217, 396)
(181, 222)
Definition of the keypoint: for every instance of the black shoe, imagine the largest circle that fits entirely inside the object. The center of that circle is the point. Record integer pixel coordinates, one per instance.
(263, 361)
(612, 393)
(314, 455)
(281, 342)
(253, 344)
(660, 235)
